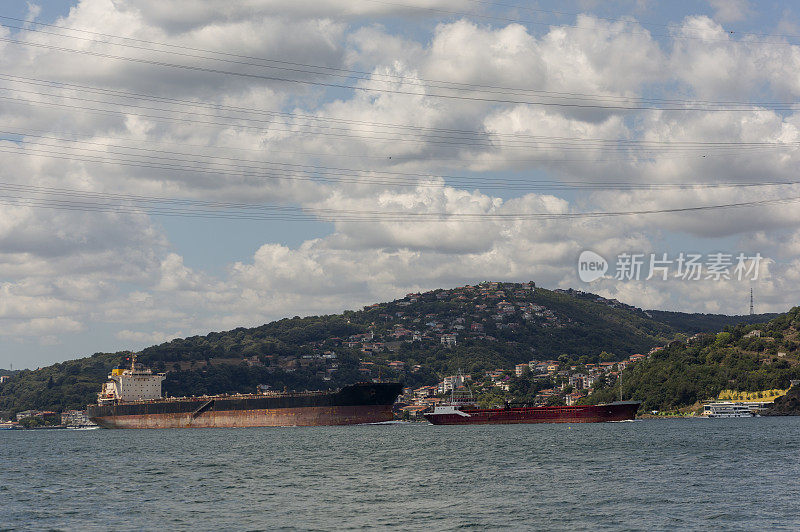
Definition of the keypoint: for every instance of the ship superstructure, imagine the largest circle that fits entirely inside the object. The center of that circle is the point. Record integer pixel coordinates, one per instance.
(135, 383)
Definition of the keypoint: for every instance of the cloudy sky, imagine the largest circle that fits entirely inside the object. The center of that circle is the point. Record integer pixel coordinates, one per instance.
(175, 168)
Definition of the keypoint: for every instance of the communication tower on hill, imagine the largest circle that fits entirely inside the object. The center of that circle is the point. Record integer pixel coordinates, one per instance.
(751, 301)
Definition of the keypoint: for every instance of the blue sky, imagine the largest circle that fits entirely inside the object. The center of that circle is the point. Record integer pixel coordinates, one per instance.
(177, 168)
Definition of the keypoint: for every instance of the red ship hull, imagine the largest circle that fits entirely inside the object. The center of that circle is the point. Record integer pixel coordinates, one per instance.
(621, 411)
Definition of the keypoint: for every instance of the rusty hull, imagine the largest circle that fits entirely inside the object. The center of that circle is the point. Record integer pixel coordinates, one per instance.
(282, 417)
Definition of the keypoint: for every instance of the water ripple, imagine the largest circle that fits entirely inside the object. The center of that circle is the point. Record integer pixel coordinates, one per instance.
(650, 475)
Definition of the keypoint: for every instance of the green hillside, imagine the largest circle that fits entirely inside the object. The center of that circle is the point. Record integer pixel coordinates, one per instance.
(742, 358)
(788, 405)
(491, 325)
(696, 323)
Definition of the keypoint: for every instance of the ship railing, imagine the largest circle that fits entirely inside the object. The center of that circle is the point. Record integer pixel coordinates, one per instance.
(231, 396)
(269, 393)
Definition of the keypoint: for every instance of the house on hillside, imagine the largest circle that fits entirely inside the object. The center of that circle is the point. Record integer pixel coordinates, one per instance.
(578, 381)
(448, 340)
(414, 411)
(573, 398)
(505, 307)
(424, 391)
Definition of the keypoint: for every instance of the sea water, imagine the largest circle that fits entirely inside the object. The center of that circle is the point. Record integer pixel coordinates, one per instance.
(644, 475)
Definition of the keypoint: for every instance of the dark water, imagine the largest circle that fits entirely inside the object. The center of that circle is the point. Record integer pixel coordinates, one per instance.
(666, 474)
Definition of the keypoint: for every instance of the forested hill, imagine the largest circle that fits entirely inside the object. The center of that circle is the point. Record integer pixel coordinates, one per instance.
(697, 323)
(744, 358)
(414, 339)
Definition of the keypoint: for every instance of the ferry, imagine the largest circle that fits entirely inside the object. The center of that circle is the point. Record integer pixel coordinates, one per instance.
(727, 409)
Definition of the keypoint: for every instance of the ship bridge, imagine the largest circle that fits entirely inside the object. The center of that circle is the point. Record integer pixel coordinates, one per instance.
(136, 383)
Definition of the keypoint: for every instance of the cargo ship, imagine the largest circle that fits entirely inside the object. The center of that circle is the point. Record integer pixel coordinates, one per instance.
(467, 414)
(131, 399)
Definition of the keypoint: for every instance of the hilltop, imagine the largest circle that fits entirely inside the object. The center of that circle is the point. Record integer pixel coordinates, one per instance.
(415, 339)
(744, 357)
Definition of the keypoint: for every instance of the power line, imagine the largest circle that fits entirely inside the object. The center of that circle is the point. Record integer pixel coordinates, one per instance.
(284, 171)
(315, 118)
(272, 62)
(381, 158)
(432, 135)
(425, 94)
(29, 26)
(542, 143)
(133, 204)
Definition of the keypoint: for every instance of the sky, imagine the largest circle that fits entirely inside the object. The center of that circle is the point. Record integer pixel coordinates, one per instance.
(175, 168)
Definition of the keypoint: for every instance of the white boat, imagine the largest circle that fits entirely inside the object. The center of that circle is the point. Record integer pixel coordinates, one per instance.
(727, 409)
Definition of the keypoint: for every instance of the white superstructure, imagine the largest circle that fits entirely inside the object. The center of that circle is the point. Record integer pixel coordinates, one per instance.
(132, 384)
(727, 409)
(449, 409)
